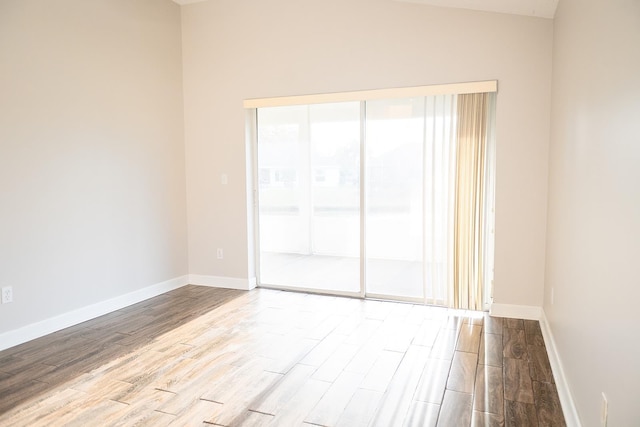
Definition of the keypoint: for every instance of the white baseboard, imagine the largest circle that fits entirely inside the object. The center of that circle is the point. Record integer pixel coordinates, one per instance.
(35, 330)
(564, 392)
(223, 282)
(529, 312)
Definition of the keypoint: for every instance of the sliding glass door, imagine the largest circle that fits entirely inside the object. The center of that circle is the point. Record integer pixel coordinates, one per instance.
(394, 198)
(309, 193)
(358, 198)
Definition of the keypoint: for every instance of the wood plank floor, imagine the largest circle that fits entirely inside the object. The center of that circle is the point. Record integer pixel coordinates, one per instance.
(202, 356)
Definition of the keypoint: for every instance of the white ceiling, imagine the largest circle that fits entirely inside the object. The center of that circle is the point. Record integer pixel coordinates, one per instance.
(181, 2)
(540, 8)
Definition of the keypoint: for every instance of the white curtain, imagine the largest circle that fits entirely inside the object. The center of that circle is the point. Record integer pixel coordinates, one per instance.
(470, 214)
(439, 188)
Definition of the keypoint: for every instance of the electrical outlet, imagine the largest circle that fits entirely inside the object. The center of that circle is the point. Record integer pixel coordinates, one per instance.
(7, 294)
(220, 253)
(604, 414)
(224, 179)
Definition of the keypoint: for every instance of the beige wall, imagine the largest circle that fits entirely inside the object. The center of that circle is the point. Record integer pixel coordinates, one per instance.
(593, 244)
(238, 49)
(92, 177)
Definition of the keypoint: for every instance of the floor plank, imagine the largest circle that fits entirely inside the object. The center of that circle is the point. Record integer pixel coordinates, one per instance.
(433, 381)
(493, 325)
(426, 333)
(278, 395)
(382, 371)
(421, 414)
(445, 344)
(296, 409)
(540, 368)
(515, 344)
(489, 390)
(360, 409)
(328, 410)
(485, 419)
(463, 372)
(399, 395)
(547, 405)
(335, 364)
(517, 381)
(455, 410)
(207, 356)
(519, 414)
(490, 352)
(513, 323)
(469, 340)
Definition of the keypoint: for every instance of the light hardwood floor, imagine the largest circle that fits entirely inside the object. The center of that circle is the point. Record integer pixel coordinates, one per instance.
(201, 356)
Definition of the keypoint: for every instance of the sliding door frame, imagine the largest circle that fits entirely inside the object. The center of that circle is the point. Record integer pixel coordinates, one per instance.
(363, 200)
(252, 105)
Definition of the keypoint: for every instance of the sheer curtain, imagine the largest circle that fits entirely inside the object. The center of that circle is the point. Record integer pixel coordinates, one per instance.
(439, 185)
(470, 213)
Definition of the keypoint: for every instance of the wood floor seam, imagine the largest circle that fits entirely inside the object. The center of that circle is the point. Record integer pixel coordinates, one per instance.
(211, 356)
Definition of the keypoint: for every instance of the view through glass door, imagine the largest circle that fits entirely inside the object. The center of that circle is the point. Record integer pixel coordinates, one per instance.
(357, 187)
(309, 196)
(394, 199)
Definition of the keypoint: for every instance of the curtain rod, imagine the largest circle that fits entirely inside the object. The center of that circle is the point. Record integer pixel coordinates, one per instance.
(368, 95)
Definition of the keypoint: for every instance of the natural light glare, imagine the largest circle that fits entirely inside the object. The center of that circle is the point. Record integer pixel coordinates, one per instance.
(310, 213)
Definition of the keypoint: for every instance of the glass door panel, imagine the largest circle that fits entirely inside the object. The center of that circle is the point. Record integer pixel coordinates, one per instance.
(394, 198)
(309, 196)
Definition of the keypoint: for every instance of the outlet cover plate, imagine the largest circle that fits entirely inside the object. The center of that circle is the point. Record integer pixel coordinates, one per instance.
(7, 294)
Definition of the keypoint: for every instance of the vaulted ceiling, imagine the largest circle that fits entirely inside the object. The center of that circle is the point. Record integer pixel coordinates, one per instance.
(539, 8)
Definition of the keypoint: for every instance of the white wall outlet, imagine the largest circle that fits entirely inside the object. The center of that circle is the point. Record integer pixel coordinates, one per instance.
(224, 179)
(7, 294)
(220, 253)
(604, 414)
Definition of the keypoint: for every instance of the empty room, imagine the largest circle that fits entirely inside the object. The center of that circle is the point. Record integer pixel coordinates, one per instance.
(319, 213)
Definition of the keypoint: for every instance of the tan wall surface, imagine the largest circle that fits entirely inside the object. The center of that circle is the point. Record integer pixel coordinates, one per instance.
(594, 205)
(92, 175)
(239, 49)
